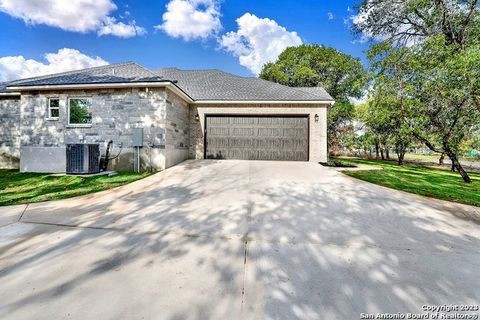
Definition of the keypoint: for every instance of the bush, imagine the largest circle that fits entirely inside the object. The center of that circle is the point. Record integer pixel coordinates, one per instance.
(337, 164)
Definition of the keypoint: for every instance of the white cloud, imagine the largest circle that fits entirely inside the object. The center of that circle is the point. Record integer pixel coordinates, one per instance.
(191, 19)
(17, 67)
(71, 15)
(258, 41)
(360, 19)
(112, 27)
(330, 16)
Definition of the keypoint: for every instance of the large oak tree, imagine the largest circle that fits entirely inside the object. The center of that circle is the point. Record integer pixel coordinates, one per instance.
(428, 59)
(342, 75)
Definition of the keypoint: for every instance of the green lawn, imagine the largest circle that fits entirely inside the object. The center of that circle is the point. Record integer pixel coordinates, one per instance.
(18, 188)
(425, 181)
(433, 157)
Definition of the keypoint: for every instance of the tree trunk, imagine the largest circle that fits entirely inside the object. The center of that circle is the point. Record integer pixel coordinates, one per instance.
(442, 157)
(387, 152)
(456, 165)
(376, 150)
(381, 153)
(401, 156)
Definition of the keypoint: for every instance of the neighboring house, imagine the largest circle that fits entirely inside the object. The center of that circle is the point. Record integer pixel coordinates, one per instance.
(184, 115)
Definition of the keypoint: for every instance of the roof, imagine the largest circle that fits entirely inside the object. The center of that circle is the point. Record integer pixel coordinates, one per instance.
(222, 86)
(129, 72)
(199, 85)
(3, 87)
(319, 91)
(4, 92)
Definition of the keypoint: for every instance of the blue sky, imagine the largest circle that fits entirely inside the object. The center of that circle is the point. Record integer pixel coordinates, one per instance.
(29, 33)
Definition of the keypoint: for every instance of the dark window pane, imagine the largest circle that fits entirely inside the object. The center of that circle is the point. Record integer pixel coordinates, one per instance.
(80, 111)
(54, 103)
(54, 113)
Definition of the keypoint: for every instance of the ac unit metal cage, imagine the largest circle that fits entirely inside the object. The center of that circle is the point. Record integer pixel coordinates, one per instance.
(83, 158)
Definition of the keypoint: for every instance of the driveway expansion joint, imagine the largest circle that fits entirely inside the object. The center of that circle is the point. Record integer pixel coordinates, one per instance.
(23, 212)
(244, 274)
(72, 226)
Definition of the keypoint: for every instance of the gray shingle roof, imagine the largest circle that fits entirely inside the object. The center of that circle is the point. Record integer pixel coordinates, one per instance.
(319, 91)
(198, 84)
(113, 73)
(219, 85)
(3, 87)
(4, 91)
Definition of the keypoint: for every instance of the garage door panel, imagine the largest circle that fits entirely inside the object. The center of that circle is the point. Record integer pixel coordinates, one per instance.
(244, 132)
(243, 154)
(235, 142)
(218, 132)
(257, 137)
(220, 143)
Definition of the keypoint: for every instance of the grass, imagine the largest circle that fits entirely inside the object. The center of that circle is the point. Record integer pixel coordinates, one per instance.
(433, 157)
(19, 188)
(425, 181)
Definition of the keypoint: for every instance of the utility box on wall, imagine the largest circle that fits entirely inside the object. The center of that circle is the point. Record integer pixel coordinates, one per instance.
(137, 137)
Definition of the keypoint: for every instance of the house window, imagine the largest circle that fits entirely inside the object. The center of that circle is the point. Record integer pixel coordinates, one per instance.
(80, 111)
(53, 108)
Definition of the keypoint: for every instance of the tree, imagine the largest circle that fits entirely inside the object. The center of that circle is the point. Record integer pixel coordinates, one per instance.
(413, 21)
(381, 117)
(428, 57)
(437, 88)
(314, 65)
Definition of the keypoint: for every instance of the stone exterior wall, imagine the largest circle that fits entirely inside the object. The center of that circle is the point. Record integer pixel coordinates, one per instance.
(9, 132)
(318, 130)
(171, 132)
(115, 113)
(177, 130)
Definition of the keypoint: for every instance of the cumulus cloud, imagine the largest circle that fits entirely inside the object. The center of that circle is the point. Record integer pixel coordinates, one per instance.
(330, 16)
(17, 67)
(70, 15)
(258, 41)
(191, 19)
(113, 27)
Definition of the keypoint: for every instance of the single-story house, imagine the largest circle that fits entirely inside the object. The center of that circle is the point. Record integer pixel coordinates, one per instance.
(181, 115)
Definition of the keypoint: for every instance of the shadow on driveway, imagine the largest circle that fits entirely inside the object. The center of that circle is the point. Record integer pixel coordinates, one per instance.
(237, 240)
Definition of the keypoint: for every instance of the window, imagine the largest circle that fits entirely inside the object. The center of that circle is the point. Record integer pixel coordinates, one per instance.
(80, 111)
(53, 108)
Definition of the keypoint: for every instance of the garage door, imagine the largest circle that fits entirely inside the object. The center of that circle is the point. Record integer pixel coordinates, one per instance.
(257, 137)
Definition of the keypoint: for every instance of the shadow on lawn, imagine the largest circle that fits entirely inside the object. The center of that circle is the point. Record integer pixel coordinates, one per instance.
(313, 250)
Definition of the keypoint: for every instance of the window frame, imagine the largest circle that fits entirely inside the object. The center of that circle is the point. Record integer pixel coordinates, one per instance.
(49, 108)
(81, 125)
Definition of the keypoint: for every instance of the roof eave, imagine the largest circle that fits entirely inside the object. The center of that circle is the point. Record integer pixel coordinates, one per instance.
(329, 102)
(116, 85)
(9, 94)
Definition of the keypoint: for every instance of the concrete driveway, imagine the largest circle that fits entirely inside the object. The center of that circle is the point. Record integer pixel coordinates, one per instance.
(237, 240)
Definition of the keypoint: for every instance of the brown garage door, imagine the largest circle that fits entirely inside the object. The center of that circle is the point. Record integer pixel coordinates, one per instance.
(257, 137)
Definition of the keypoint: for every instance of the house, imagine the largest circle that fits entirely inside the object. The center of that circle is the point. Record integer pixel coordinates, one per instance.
(183, 115)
